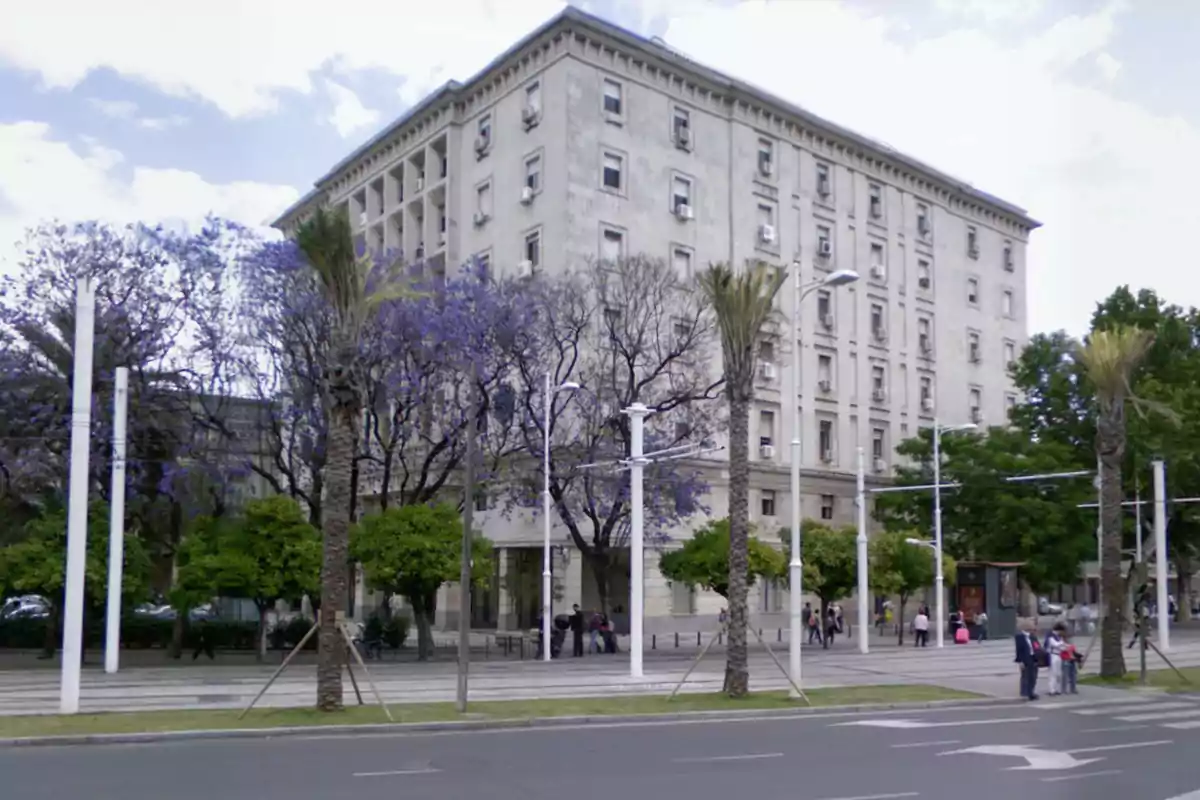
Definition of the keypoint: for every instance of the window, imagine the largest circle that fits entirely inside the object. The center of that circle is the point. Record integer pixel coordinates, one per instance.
(924, 336)
(878, 326)
(824, 189)
(876, 201)
(484, 263)
(923, 226)
(1006, 303)
(681, 193)
(612, 245)
(533, 173)
(766, 157)
(484, 141)
(1010, 355)
(824, 242)
(825, 308)
(825, 439)
(926, 390)
(1010, 402)
(681, 257)
(483, 201)
(533, 248)
(612, 98)
(878, 382)
(1008, 256)
(924, 276)
(877, 449)
(613, 164)
(766, 428)
(825, 370)
(682, 429)
(766, 215)
(827, 502)
(972, 243)
(877, 270)
(973, 291)
(767, 502)
(681, 128)
(533, 101)
(683, 598)
(766, 352)
(481, 500)
(973, 347)
(976, 401)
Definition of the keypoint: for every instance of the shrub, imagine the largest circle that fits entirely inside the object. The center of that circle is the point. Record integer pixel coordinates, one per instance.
(395, 632)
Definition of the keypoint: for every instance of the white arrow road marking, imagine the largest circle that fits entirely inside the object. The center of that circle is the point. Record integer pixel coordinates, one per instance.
(390, 773)
(1081, 775)
(913, 724)
(1104, 748)
(882, 796)
(1194, 711)
(746, 757)
(1189, 796)
(1183, 726)
(1038, 759)
(943, 743)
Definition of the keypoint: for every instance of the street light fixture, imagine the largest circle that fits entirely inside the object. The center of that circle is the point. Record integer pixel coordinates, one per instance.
(547, 588)
(833, 280)
(940, 579)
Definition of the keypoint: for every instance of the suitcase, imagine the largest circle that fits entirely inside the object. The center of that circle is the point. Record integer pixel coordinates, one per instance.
(962, 636)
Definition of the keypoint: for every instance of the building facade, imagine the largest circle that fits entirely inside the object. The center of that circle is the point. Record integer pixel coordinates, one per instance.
(584, 141)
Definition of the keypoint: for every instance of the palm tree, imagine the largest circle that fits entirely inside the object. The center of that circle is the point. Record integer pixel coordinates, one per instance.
(327, 242)
(743, 303)
(1110, 359)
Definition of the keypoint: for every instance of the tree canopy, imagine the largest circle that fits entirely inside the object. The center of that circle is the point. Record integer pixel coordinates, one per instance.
(703, 561)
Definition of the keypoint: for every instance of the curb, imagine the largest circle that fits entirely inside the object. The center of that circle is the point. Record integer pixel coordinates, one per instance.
(466, 726)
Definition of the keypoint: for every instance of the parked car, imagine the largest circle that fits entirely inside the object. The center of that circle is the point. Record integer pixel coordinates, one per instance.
(1048, 609)
(163, 611)
(28, 606)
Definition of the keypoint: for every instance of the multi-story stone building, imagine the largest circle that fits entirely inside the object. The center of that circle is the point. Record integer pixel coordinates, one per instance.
(585, 141)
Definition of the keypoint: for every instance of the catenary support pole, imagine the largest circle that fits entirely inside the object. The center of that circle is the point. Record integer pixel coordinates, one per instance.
(863, 566)
(795, 566)
(77, 507)
(939, 579)
(116, 524)
(465, 572)
(547, 573)
(1162, 579)
(637, 589)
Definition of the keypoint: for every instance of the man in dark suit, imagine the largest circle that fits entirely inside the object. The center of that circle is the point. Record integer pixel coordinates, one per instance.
(1027, 658)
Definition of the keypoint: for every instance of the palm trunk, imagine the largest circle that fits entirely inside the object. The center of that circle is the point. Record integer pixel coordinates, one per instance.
(1110, 446)
(338, 479)
(737, 671)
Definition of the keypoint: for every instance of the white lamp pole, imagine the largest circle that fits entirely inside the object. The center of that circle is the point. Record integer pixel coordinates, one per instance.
(547, 573)
(1160, 554)
(861, 541)
(77, 511)
(939, 579)
(116, 524)
(637, 589)
(796, 566)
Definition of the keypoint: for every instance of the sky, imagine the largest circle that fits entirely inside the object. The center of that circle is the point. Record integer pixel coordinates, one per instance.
(1084, 112)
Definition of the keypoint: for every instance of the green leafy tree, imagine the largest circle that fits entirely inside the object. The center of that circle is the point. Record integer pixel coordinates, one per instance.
(899, 569)
(703, 560)
(37, 564)
(989, 518)
(743, 302)
(268, 553)
(411, 551)
(830, 560)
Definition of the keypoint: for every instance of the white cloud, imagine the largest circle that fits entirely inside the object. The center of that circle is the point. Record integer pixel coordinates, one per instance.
(993, 11)
(1112, 181)
(349, 114)
(239, 54)
(128, 110)
(46, 178)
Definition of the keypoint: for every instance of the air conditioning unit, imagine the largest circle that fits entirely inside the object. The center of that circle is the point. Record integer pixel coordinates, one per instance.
(876, 208)
(766, 167)
(827, 322)
(925, 345)
(973, 252)
(683, 138)
(923, 226)
(525, 269)
(976, 415)
(482, 143)
(880, 334)
(827, 456)
(420, 183)
(768, 371)
(767, 451)
(879, 395)
(878, 272)
(824, 248)
(526, 195)
(924, 283)
(441, 238)
(880, 465)
(825, 385)
(974, 356)
(823, 187)
(766, 234)
(927, 404)
(480, 217)
(529, 115)
(1008, 260)
(683, 212)
(420, 251)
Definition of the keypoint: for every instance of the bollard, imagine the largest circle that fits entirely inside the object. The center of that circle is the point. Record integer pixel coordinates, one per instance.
(654, 641)
(779, 634)
(523, 647)
(760, 633)
(676, 640)
(720, 638)
(697, 638)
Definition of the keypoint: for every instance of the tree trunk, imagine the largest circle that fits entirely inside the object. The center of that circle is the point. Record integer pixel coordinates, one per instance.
(50, 642)
(737, 670)
(423, 608)
(900, 619)
(1183, 587)
(1110, 447)
(261, 655)
(343, 420)
(601, 565)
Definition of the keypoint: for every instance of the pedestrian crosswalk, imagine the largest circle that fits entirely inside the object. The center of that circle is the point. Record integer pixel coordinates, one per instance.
(1162, 711)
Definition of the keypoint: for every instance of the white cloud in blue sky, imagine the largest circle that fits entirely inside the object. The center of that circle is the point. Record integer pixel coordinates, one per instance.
(1080, 110)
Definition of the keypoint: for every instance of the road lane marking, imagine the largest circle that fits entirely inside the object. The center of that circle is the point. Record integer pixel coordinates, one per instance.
(390, 773)
(1194, 711)
(1115, 728)
(1132, 708)
(1096, 774)
(876, 796)
(1183, 726)
(926, 744)
(1189, 796)
(1127, 746)
(1082, 703)
(746, 757)
(911, 724)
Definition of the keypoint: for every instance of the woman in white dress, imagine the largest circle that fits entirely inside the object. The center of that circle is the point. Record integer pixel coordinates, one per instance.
(1055, 644)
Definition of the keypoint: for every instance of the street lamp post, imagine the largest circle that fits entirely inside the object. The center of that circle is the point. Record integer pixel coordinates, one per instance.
(796, 568)
(940, 579)
(547, 575)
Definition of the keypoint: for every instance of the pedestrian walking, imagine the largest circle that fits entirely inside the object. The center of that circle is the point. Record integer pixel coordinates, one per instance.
(920, 626)
(831, 626)
(203, 641)
(595, 624)
(577, 630)
(812, 621)
(981, 623)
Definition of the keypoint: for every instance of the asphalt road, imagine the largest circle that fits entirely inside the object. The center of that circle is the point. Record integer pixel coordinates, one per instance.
(910, 755)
